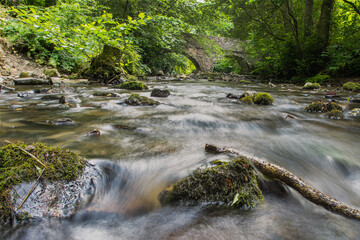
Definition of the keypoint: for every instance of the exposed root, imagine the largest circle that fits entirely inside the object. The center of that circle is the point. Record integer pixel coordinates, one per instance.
(307, 191)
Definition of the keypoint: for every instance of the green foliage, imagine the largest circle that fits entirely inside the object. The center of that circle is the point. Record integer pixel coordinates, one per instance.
(133, 85)
(320, 78)
(350, 86)
(311, 86)
(69, 34)
(227, 65)
(263, 99)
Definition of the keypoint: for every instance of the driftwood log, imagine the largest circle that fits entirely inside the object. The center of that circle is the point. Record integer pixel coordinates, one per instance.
(285, 176)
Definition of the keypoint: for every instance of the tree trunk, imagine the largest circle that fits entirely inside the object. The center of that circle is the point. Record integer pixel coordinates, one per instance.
(308, 17)
(307, 191)
(324, 23)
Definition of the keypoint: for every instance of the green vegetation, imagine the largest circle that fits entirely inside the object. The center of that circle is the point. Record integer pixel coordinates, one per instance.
(331, 110)
(233, 183)
(311, 86)
(17, 167)
(290, 39)
(133, 85)
(263, 99)
(136, 100)
(320, 78)
(247, 100)
(350, 86)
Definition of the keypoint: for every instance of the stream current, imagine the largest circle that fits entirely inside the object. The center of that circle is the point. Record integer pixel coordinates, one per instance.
(164, 143)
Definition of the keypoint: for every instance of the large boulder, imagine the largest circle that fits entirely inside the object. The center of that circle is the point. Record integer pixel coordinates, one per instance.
(31, 81)
(233, 183)
(65, 182)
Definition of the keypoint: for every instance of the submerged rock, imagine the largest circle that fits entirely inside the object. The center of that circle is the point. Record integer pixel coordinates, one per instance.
(65, 121)
(160, 93)
(233, 183)
(233, 96)
(136, 100)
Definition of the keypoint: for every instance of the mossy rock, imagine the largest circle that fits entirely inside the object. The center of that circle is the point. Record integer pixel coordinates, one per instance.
(51, 73)
(137, 100)
(17, 167)
(311, 86)
(350, 86)
(335, 114)
(24, 75)
(263, 99)
(247, 100)
(233, 183)
(133, 85)
(323, 107)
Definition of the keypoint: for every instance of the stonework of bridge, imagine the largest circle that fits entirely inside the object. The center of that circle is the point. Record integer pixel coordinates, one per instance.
(205, 51)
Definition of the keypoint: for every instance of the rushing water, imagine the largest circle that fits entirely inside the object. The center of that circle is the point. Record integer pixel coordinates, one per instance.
(168, 143)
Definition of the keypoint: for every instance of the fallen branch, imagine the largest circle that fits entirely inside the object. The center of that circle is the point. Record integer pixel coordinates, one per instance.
(31, 155)
(31, 190)
(307, 191)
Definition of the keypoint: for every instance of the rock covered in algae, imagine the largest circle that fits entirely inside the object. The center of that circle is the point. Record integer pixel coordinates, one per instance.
(136, 100)
(233, 183)
(62, 184)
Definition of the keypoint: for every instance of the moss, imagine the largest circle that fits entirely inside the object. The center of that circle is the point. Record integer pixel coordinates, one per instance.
(320, 78)
(263, 99)
(232, 183)
(323, 107)
(311, 86)
(136, 100)
(350, 86)
(51, 73)
(335, 114)
(244, 82)
(24, 75)
(133, 85)
(17, 167)
(247, 100)
(131, 77)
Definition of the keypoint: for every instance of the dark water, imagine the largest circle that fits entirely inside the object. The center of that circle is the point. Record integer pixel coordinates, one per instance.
(168, 143)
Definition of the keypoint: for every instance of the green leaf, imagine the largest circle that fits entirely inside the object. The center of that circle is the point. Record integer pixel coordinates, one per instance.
(142, 15)
(236, 199)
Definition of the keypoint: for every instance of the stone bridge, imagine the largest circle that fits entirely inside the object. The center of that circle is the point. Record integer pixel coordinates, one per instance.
(205, 51)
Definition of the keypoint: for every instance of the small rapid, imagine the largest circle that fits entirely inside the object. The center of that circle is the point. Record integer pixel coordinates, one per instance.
(143, 149)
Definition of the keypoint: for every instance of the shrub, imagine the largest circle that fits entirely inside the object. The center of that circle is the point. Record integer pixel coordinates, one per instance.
(263, 99)
(320, 78)
(133, 85)
(350, 86)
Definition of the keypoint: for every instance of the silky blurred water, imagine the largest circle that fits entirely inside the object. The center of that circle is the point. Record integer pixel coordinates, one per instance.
(167, 143)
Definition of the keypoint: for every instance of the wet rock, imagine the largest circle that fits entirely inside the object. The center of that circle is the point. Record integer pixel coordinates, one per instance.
(160, 93)
(31, 81)
(233, 96)
(67, 182)
(51, 73)
(233, 183)
(124, 127)
(334, 114)
(25, 94)
(51, 97)
(248, 93)
(323, 107)
(289, 116)
(6, 88)
(355, 99)
(95, 132)
(355, 112)
(136, 100)
(62, 100)
(270, 84)
(65, 121)
(24, 75)
(42, 90)
(332, 94)
(107, 94)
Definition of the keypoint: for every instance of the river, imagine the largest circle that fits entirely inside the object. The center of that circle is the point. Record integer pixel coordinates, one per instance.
(166, 142)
